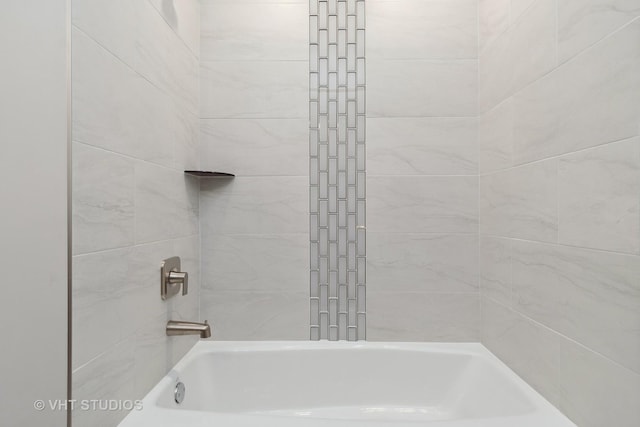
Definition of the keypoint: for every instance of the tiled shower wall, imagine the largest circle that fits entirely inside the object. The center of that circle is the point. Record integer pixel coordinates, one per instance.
(254, 122)
(422, 184)
(135, 117)
(559, 200)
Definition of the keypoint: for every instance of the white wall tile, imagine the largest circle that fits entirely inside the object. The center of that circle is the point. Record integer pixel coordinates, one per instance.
(596, 390)
(166, 203)
(183, 16)
(248, 89)
(521, 202)
(108, 377)
(422, 262)
(518, 8)
(103, 200)
(421, 146)
(588, 101)
(267, 31)
(255, 205)
(439, 317)
(493, 18)
(155, 353)
(101, 309)
(136, 33)
(598, 197)
(268, 262)
(421, 88)
(528, 348)
(258, 315)
(135, 106)
(581, 23)
(417, 29)
(495, 269)
(117, 109)
(535, 201)
(519, 56)
(420, 204)
(589, 296)
(495, 138)
(255, 147)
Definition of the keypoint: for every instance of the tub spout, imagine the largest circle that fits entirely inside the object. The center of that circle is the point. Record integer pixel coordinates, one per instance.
(189, 328)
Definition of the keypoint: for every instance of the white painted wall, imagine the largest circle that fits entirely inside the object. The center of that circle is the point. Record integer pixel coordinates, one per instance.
(33, 190)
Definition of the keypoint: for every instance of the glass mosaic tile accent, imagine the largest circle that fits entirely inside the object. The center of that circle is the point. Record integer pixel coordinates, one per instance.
(337, 172)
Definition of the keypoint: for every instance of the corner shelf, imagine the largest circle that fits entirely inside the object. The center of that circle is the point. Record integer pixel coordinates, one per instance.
(208, 174)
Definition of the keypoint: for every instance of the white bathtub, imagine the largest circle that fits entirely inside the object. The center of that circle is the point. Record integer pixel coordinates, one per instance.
(338, 384)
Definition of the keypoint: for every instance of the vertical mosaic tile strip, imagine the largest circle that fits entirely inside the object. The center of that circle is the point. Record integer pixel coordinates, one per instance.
(337, 120)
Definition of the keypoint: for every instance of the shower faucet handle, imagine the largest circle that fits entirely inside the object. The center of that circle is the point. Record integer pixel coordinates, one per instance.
(172, 279)
(181, 279)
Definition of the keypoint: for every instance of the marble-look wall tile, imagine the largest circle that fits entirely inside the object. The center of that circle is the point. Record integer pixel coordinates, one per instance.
(495, 138)
(136, 33)
(183, 16)
(588, 101)
(582, 23)
(101, 303)
(528, 348)
(135, 123)
(107, 377)
(422, 204)
(519, 56)
(521, 202)
(255, 205)
(103, 200)
(421, 88)
(401, 262)
(417, 29)
(534, 201)
(518, 8)
(111, 286)
(534, 43)
(271, 31)
(493, 17)
(250, 89)
(155, 353)
(421, 146)
(590, 296)
(117, 109)
(166, 203)
(253, 315)
(596, 390)
(495, 269)
(495, 74)
(255, 147)
(266, 262)
(413, 316)
(598, 197)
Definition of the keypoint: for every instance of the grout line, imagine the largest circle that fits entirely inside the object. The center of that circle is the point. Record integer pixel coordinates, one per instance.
(547, 243)
(134, 245)
(559, 156)
(561, 335)
(155, 85)
(562, 65)
(195, 55)
(130, 157)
